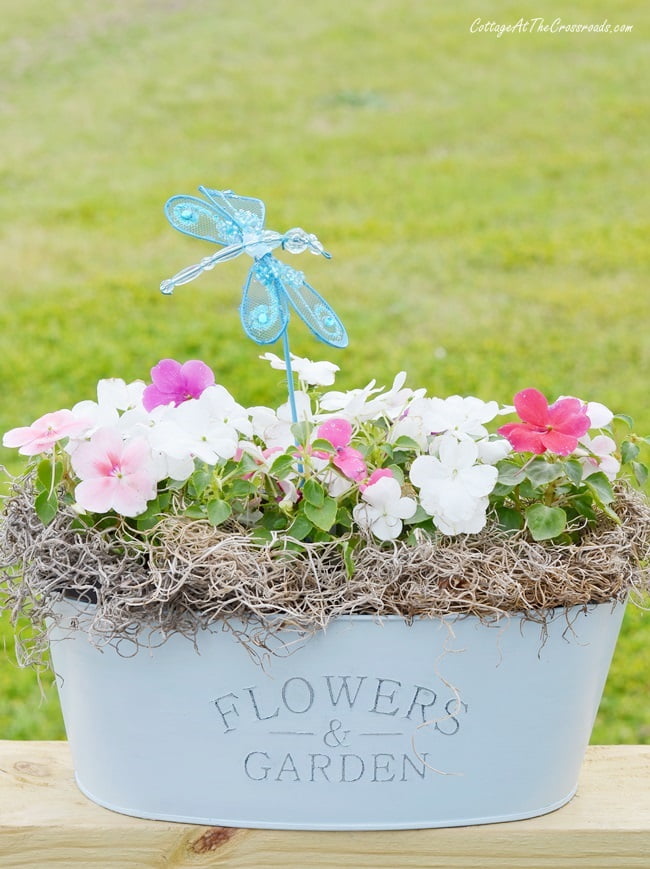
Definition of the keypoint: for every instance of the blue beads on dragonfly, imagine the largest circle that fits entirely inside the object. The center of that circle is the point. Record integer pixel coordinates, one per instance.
(272, 288)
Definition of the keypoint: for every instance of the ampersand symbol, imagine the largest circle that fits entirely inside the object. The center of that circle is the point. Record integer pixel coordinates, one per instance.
(332, 738)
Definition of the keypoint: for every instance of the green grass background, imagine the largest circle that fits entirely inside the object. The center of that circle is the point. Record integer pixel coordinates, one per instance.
(485, 200)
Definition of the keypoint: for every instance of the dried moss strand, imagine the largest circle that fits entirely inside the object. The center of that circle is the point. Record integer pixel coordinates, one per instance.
(187, 575)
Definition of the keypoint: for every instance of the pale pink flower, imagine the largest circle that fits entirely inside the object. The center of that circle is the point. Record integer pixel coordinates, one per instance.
(114, 475)
(597, 454)
(347, 459)
(174, 383)
(41, 435)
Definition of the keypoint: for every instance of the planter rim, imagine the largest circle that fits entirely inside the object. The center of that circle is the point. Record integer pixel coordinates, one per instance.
(487, 618)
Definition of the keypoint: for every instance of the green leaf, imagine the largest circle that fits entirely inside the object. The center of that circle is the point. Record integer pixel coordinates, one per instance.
(510, 474)
(274, 520)
(301, 431)
(247, 464)
(343, 517)
(283, 466)
(629, 422)
(629, 451)
(509, 519)
(261, 536)
(300, 528)
(164, 499)
(573, 470)
(49, 475)
(347, 548)
(406, 443)
(292, 546)
(200, 480)
(194, 511)
(640, 473)
(420, 515)
(241, 488)
(46, 505)
(323, 517)
(601, 488)
(218, 511)
(313, 492)
(528, 491)
(584, 506)
(544, 522)
(541, 472)
(324, 446)
(151, 515)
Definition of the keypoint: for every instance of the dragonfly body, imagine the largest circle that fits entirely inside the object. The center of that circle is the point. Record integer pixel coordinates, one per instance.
(272, 288)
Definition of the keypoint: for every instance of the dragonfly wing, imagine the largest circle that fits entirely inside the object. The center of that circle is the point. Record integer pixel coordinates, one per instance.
(312, 308)
(202, 219)
(247, 212)
(263, 310)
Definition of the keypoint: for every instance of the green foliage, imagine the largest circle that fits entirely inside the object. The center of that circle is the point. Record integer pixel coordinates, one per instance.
(556, 495)
(545, 523)
(489, 232)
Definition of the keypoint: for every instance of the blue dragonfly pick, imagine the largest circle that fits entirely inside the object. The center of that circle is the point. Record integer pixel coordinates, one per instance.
(271, 287)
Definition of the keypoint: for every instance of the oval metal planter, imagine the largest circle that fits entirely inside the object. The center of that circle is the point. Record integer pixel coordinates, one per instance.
(371, 724)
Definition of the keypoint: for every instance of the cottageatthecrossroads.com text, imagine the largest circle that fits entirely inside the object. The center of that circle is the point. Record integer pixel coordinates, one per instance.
(541, 25)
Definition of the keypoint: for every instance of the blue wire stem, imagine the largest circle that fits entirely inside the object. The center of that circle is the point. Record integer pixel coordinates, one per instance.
(290, 387)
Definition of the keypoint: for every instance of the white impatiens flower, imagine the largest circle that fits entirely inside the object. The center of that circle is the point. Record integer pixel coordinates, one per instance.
(492, 450)
(354, 405)
(274, 427)
(599, 415)
(454, 486)
(191, 430)
(395, 402)
(310, 373)
(409, 426)
(113, 395)
(384, 509)
(223, 408)
(596, 454)
(463, 416)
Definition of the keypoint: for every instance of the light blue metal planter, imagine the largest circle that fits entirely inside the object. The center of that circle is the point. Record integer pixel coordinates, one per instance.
(368, 725)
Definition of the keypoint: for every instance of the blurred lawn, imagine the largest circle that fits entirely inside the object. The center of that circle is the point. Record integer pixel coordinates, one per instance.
(485, 200)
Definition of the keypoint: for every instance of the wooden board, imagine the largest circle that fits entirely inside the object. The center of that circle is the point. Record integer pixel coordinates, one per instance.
(46, 822)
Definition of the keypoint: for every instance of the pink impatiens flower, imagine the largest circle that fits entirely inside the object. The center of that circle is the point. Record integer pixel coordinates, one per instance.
(174, 383)
(114, 475)
(554, 427)
(378, 474)
(349, 461)
(41, 435)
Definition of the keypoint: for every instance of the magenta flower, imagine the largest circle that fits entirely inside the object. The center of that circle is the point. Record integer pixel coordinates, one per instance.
(41, 435)
(555, 428)
(114, 475)
(349, 461)
(174, 383)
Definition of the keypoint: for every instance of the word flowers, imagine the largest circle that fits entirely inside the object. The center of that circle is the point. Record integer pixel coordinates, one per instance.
(389, 464)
